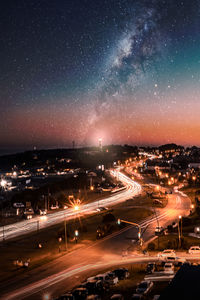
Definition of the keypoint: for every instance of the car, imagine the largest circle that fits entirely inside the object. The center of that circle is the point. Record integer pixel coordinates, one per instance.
(113, 279)
(94, 286)
(117, 297)
(42, 212)
(103, 277)
(194, 250)
(151, 267)
(101, 208)
(156, 297)
(158, 202)
(169, 268)
(168, 192)
(137, 297)
(159, 230)
(144, 287)
(121, 273)
(93, 297)
(54, 207)
(167, 253)
(174, 224)
(80, 293)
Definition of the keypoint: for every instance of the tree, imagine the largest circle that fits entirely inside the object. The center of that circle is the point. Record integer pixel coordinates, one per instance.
(108, 218)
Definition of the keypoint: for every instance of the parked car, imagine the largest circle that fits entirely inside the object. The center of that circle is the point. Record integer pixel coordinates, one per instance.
(168, 192)
(137, 297)
(158, 202)
(54, 207)
(102, 277)
(94, 287)
(80, 293)
(151, 267)
(159, 230)
(144, 287)
(169, 268)
(117, 297)
(93, 297)
(113, 279)
(167, 253)
(42, 212)
(194, 250)
(121, 273)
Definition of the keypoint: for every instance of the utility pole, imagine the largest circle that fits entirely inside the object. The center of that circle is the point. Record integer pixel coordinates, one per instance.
(65, 235)
(48, 200)
(179, 236)
(38, 226)
(158, 226)
(3, 232)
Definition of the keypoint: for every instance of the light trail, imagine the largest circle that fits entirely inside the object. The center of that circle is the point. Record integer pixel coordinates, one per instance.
(28, 226)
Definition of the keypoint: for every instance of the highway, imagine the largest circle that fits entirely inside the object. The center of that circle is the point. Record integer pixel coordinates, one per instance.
(28, 226)
(63, 273)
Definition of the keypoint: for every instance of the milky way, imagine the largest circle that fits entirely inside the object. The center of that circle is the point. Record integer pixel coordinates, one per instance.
(126, 71)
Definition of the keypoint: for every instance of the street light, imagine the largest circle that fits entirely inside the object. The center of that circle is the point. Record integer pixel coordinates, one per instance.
(180, 230)
(42, 218)
(3, 183)
(76, 207)
(180, 218)
(134, 224)
(76, 233)
(157, 188)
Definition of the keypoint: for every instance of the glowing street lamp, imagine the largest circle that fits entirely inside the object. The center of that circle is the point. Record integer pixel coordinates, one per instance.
(157, 188)
(76, 207)
(3, 183)
(76, 233)
(46, 297)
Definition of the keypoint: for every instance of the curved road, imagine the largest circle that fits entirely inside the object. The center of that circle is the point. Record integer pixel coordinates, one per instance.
(27, 226)
(62, 274)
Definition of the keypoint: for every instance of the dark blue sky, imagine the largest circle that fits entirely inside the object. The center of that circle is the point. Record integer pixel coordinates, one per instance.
(80, 69)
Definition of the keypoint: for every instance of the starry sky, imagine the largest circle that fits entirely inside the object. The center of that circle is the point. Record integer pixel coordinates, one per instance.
(126, 71)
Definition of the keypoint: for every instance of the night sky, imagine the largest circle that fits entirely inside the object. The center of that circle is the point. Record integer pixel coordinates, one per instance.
(121, 70)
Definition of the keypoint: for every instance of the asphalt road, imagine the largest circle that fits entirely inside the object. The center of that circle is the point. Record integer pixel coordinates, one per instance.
(27, 226)
(63, 273)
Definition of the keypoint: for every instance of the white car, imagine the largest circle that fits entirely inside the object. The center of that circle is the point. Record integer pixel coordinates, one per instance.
(102, 277)
(144, 287)
(117, 297)
(167, 253)
(159, 230)
(113, 279)
(194, 250)
(169, 268)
